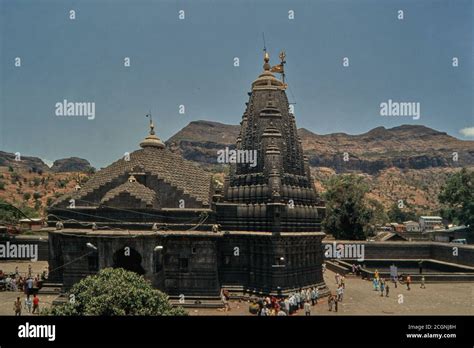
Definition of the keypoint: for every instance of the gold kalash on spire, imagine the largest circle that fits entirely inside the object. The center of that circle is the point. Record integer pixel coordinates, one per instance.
(267, 80)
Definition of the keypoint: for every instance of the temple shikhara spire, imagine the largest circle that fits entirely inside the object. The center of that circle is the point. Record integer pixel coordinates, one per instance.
(279, 188)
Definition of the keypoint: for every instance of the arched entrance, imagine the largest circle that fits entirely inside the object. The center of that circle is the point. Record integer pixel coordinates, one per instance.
(129, 259)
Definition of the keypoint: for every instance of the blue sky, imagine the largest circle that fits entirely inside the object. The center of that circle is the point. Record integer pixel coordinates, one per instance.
(190, 62)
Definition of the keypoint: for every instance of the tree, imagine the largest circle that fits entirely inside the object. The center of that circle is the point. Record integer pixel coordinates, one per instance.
(458, 197)
(115, 291)
(396, 214)
(26, 196)
(347, 211)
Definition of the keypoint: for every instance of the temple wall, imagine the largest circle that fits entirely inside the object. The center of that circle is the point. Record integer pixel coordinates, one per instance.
(416, 250)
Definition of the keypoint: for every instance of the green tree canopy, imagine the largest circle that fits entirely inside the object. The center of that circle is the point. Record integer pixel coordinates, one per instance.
(115, 291)
(347, 210)
(397, 214)
(458, 197)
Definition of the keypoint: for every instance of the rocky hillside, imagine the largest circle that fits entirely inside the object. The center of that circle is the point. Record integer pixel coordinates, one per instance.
(21, 162)
(408, 163)
(404, 147)
(72, 164)
(35, 164)
(30, 184)
(200, 140)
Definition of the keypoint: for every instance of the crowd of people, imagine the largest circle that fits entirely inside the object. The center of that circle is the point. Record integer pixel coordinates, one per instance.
(304, 300)
(28, 284)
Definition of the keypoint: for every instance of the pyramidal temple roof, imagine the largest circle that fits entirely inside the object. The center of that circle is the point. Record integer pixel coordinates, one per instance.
(133, 188)
(152, 159)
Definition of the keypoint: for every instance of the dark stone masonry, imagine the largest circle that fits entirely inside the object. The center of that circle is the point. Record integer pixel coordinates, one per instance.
(162, 216)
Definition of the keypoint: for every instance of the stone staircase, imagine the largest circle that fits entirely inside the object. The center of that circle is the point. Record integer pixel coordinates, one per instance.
(50, 288)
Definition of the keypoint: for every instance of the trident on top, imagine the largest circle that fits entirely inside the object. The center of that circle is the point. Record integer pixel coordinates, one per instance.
(152, 126)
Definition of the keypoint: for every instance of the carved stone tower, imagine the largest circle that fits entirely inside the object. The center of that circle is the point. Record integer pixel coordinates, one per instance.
(269, 210)
(276, 193)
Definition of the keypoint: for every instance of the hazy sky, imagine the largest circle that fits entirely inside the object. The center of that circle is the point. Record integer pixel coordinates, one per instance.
(191, 62)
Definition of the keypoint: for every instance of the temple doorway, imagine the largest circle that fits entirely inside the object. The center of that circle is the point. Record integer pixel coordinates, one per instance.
(129, 259)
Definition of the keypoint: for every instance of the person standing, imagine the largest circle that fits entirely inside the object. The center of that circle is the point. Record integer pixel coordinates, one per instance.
(29, 286)
(313, 296)
(330, 302)
(337, 277)
(35, 304)
(335, 304)
(408, 282)
(307, 309)
(382, 286)
(28, 303)
(285, 306)
(386, 290)
(422, 283)
(343, 281)
(17, 307)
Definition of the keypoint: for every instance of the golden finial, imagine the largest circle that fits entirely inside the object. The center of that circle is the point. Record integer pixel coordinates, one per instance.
(266, 59)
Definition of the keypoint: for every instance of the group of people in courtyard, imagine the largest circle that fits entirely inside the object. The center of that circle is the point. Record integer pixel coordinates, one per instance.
(28, 284)
(302, 300)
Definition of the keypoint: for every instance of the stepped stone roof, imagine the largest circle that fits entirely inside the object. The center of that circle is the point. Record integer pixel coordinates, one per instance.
(155, 160)
(133, 188)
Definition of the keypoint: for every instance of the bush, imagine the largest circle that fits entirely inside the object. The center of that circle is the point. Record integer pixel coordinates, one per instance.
(114, 292)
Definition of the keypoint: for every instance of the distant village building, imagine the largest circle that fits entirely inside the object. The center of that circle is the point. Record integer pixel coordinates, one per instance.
(389, 236)
(412, 226)
(429, 223)
(34, 224)
(396, 227)
(447, 235)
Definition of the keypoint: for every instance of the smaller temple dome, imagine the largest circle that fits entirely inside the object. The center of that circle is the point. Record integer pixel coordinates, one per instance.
(152, 140)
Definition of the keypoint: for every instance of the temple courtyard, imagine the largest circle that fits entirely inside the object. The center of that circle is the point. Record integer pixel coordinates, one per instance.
(359, 298)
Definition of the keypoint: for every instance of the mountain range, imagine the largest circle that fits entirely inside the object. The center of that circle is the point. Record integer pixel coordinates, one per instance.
(408, 162)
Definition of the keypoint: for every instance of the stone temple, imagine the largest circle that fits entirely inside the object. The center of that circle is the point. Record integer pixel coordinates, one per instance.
(159, 215)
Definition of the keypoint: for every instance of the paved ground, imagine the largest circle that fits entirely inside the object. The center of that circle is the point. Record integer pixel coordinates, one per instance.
(8, 297)
(361, 299)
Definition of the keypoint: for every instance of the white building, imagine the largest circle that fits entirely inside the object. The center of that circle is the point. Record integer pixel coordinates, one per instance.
(429, 223)
(412, 226)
